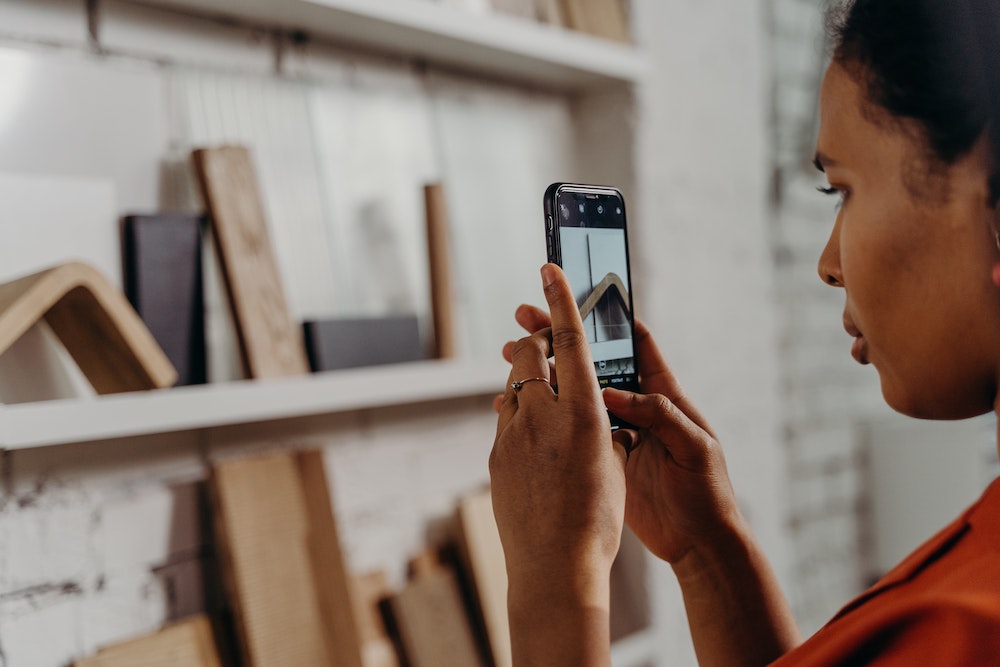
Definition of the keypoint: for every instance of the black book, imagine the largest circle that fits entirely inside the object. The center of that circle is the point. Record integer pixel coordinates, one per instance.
(350, 343)
(163, 281)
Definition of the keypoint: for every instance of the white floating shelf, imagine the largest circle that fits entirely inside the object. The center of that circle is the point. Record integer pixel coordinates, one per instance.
(478, 42)
(205, 406)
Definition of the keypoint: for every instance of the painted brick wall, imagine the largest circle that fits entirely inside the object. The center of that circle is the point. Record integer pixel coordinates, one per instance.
(825, 395)
(833, 415)
(706, 282)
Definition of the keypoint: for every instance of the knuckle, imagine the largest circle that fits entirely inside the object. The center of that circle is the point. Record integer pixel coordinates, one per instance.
(661, 404)
(565, 338)
(525, 345)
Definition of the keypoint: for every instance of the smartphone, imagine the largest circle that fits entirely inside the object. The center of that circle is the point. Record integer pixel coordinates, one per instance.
(586, 235)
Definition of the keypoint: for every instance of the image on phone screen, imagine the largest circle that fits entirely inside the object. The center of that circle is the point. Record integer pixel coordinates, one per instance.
(587, 237)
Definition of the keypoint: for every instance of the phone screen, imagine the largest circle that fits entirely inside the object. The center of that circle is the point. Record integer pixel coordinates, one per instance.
(587, 237)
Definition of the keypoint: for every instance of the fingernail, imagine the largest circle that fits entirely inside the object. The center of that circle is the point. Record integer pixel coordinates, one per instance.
(548, 275)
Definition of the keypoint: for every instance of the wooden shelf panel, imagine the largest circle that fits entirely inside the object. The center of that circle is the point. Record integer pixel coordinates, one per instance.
(206, 406)
(481, 43)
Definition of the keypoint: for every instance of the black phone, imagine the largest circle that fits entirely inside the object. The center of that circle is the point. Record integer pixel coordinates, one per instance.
(587, 236)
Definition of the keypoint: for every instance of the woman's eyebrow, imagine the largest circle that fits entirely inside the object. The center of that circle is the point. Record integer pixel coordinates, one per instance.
(822, 161)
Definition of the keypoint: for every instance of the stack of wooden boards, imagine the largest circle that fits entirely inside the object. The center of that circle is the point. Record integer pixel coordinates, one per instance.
(293, 600)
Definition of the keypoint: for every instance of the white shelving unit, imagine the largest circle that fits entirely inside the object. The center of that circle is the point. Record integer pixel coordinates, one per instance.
(485, 43)
(478, 42)
(482, 44)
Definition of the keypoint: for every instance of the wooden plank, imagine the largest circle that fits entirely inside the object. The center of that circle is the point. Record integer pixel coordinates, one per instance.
(93, 320)
(438, 247)
(432, 622)
(270, 343)
(603, 18)
(377, 649)
(263, 526)
(551, 11)
(330, 579)
(186, 643)
(479, 542)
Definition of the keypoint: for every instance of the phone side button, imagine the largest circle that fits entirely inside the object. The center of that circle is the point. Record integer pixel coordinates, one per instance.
(550, 223)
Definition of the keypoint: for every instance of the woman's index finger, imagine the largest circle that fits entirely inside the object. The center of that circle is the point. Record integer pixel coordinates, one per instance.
(569, 342)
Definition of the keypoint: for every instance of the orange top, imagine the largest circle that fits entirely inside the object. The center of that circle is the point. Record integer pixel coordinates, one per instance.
(940, 606)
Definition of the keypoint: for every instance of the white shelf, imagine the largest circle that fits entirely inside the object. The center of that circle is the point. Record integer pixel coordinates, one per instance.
(478, 42)
(205, 406)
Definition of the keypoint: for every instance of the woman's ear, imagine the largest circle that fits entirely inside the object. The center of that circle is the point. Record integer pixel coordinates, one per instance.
(995, 233)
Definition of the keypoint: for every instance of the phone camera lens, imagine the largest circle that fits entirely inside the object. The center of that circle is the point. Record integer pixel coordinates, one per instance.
(600, 208)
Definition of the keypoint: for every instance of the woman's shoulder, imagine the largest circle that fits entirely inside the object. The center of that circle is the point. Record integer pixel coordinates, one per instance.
(940, 606)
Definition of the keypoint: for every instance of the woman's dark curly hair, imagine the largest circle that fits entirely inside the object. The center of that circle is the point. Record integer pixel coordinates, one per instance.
(936, 62)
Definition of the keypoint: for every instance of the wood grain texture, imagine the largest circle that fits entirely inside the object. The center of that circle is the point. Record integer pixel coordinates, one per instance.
(264, 543)
(602, 18)
(186, 643)
(433, 626)
(479, 542)
(439, 249)
(93, 320)
(270, 343)
(332, 584)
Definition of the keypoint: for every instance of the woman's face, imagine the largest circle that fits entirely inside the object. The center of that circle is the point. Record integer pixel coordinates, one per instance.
(913, 248)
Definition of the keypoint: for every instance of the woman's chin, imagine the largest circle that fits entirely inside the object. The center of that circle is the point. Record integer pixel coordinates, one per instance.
(923, 402)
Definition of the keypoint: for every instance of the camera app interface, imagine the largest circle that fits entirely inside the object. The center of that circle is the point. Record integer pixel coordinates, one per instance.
(595, 259)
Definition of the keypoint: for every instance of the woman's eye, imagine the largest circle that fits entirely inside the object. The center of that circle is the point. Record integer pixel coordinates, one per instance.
(830, 190)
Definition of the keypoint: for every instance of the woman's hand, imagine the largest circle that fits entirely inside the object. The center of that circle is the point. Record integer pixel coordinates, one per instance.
(679, 495)
(681, 505)
(558, 485)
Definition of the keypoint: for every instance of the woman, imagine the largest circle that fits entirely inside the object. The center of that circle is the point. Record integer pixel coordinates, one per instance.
(909, 141)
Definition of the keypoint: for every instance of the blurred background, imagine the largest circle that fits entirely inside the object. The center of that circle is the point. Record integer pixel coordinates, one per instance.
(704, 113)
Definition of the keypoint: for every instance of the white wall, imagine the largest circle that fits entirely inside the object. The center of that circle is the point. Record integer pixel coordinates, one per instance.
(706, 286)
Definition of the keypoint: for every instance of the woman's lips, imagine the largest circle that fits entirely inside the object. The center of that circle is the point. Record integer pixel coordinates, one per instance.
(859, 349)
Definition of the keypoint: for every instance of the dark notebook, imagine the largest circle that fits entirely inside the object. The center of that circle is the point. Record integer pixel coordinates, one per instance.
(351, 343)
(163, 281)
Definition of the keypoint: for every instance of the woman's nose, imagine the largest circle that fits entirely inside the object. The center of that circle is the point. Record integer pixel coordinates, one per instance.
(829, 260)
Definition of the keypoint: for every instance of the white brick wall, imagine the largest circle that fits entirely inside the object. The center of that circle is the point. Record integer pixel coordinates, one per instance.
(829, 402)
(705, 284)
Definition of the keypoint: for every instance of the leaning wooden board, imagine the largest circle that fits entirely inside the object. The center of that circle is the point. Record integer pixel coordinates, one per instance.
(433, 627)
(263, 528)
(480, 545)
(186, 643)
(270, 343)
